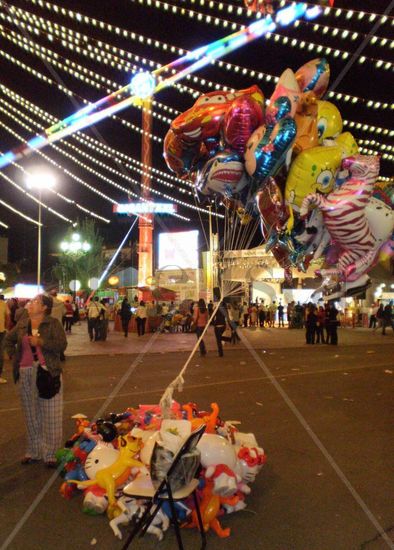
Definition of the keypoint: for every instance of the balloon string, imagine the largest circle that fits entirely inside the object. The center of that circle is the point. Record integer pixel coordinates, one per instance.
(177, 383)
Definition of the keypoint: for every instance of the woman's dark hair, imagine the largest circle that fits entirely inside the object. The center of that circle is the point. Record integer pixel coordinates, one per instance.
(47, 301)
(202, 305)
(142, 303)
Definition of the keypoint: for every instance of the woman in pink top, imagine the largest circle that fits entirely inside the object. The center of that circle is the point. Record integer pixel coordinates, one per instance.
(200, 319)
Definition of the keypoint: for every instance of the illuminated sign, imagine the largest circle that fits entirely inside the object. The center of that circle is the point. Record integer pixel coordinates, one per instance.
(178, 250)
(145, 208)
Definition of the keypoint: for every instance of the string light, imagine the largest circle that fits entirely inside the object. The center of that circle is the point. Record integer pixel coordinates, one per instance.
(68, 34)
(95, 145)
(101, 176)
(4, 225)
(315, 27)
(14, 210)
(158, 4)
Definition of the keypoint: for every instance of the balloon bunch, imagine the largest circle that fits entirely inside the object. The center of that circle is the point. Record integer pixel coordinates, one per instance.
(138, 444)
(288, 163)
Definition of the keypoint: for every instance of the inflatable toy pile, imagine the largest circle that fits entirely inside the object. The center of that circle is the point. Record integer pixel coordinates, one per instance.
(101, 458)
(287, 162)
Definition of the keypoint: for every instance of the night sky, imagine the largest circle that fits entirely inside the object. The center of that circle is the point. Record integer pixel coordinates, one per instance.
(365, 81)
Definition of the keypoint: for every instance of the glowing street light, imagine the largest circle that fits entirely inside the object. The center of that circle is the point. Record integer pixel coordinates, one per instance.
(75, 248)
(38, 181)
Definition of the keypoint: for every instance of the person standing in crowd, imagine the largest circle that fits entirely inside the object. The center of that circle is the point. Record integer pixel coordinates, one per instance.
(387, 319)
(310, 325)
(38, 339)
(321, 316)
(281, 312)
(253, 315)
(200, 320)
(273, 309)
(290, 314)
(125, 316)
(219, 324)
(58, 312)
(140, 317)
(261, 314)
(95, 310)
(245, 314)
(372, 318)
(3, 323)
(327, 321)
(332, 325)
(69, 315)
(210, 308)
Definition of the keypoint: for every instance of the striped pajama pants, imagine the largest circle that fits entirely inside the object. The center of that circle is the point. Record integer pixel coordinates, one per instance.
(43, 417)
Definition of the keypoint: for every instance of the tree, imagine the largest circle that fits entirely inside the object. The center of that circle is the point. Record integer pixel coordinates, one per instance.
(81, 265)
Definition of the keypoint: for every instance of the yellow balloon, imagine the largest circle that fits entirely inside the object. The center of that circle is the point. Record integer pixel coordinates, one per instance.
(329, 120)
(312, 170)
(315, 169)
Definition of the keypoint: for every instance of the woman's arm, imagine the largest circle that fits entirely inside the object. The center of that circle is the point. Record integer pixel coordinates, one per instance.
(10, 341)
(55, 340)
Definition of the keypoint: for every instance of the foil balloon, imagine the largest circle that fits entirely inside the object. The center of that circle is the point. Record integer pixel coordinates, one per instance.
(101, 457)
(380, 216)
(205, 118)
(306, 121)
(287, 86)
(344, 213)
(241, 120)
(312, 170)
(178, 154)
(329, 120)
(314, 77)
(270, 205)
(268, 145)
(223, 174)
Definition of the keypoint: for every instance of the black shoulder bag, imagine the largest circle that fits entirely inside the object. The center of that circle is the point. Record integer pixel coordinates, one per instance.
(48, 386)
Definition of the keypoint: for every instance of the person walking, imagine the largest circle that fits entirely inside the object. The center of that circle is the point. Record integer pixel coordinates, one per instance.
(379, 317)
(103, 320)
(3, 323)
(125, 316)
(200, 320)
(234, 315)
(321, 317)
(141, 316)
(95, 310)
(281, 312)
(387, 319)
(219, 323)
(310, 325)
(69, 315)
(37, 341)
(333, 324)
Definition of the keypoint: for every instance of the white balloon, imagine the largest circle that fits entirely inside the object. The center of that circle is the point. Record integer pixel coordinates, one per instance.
(215, 449)
(101, 457)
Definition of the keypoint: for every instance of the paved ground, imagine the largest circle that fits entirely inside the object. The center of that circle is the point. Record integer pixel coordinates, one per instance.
(342, 394)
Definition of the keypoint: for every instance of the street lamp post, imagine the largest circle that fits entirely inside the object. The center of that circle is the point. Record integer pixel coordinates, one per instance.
(39, 181)
(75, 248)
